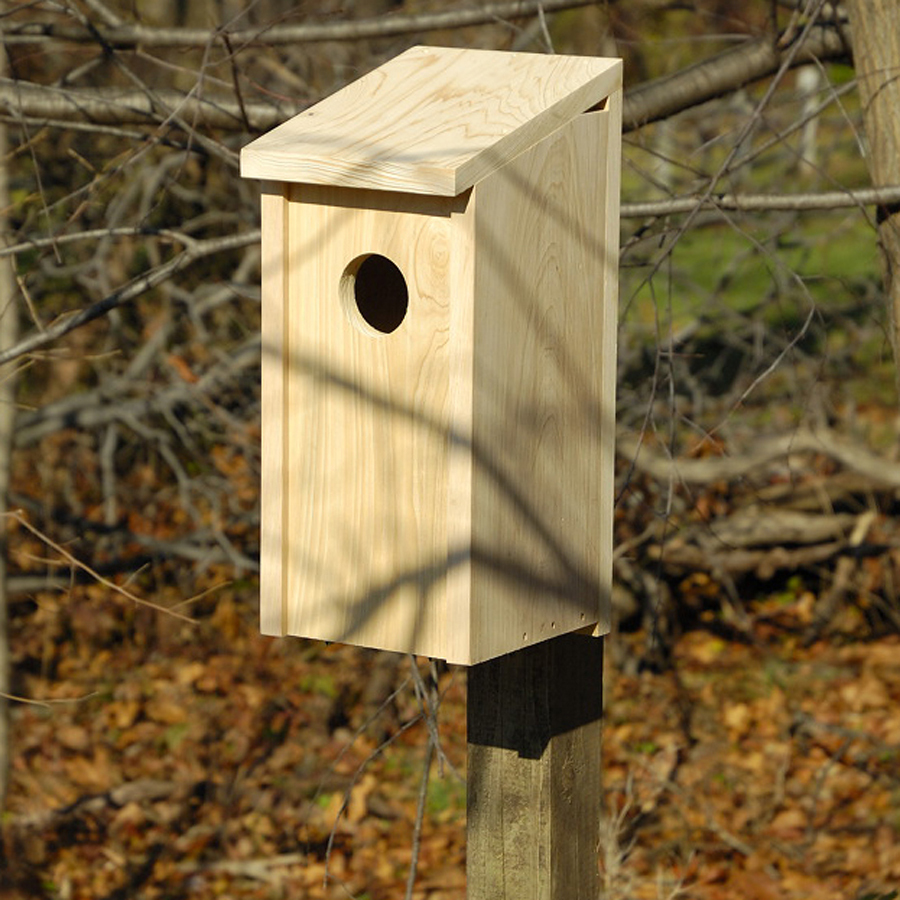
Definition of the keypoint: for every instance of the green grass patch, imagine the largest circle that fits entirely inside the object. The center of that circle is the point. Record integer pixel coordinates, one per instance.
(446, 798)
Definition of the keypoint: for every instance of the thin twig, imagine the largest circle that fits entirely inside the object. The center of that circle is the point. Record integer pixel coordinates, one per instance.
(19, 517)
(92, 234)
(361, 767)
(48, 704)
(420, 817)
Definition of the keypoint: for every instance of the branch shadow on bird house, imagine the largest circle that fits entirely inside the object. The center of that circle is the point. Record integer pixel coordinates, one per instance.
(440, 245)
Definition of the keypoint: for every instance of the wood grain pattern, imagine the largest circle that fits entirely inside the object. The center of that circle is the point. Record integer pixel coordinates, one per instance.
(274, 362)
(534, 761)
(606, 386)
(433, 120)
(445, 488)
(368, 431)
(543, 412)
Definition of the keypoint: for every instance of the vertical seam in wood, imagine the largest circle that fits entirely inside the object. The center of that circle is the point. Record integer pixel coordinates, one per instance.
(610, 317)
(458, 588)
(272, 545)
(285, 404)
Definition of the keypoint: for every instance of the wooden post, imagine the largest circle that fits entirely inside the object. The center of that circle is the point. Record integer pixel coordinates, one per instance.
(534, 788)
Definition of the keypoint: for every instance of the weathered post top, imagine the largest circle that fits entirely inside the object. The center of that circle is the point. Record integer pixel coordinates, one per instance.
(440, 245)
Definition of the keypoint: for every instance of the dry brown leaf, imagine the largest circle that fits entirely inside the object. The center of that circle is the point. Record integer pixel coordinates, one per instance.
(737, 718)
(789, 822)
(165, 711)
(74, 737)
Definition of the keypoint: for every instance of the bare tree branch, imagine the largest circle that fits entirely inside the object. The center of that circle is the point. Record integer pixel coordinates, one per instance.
(764, 202)
(94, 234)
(766, 449)
(88, 127)
(105, 106)
(17, 516)
(129, 36)
(194, 251)
(646, 103)
(104, 404)
(725, 72)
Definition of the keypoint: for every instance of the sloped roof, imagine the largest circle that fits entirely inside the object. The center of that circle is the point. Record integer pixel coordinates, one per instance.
(433, 120)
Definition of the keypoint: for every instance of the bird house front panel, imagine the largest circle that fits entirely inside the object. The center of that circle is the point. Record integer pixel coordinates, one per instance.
(367, 430)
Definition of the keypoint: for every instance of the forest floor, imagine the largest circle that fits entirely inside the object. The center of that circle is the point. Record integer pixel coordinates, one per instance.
(168, 750)
(165, 758)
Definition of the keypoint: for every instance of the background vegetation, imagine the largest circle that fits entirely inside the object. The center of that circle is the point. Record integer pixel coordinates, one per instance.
(158, 747)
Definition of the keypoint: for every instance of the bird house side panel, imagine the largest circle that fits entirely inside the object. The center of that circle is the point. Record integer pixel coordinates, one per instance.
(543, 406)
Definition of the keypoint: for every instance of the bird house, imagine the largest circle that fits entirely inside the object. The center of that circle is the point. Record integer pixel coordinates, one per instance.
(439, 253)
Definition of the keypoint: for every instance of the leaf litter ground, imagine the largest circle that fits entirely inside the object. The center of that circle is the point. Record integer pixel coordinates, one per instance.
(171, 760)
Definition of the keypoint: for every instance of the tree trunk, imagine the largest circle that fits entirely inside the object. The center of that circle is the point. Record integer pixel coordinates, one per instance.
(8, 334)
(875, 27)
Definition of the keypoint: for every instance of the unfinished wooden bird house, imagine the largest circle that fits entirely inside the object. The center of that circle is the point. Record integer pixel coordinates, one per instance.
(439, 253)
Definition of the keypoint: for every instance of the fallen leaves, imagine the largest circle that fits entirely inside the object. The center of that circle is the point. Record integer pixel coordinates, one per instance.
(213, 759)
(226, 751)
(790, 784)
(170, 758)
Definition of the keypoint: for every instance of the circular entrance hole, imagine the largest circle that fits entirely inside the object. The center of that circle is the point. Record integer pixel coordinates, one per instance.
(374, 294)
